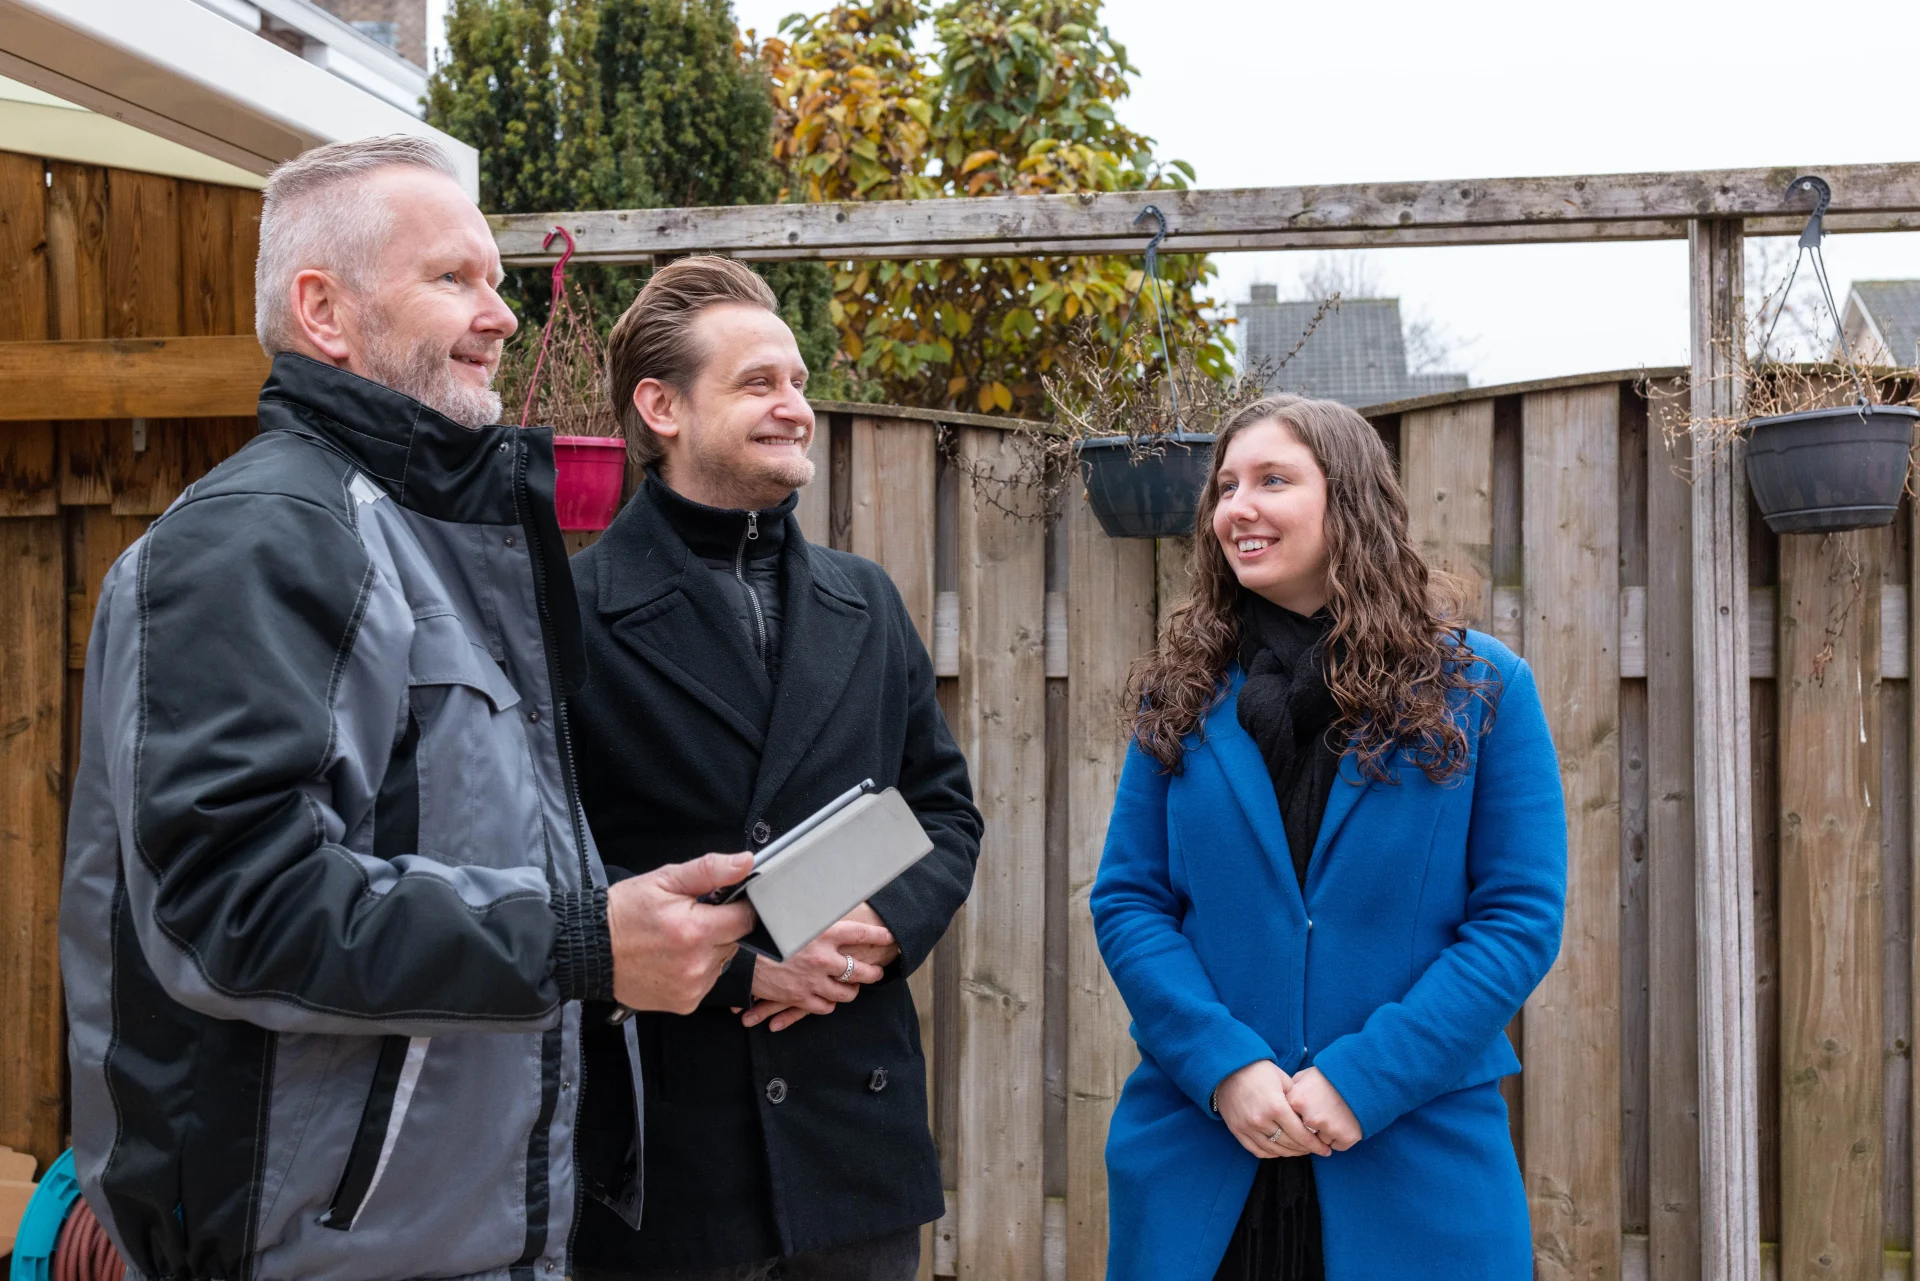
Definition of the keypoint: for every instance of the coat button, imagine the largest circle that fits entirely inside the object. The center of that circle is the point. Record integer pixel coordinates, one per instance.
(878, 1081)
(534, 716)
(777, 1091)
(761, 833)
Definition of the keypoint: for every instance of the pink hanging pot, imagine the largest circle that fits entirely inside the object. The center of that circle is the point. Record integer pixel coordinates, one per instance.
(590, 471)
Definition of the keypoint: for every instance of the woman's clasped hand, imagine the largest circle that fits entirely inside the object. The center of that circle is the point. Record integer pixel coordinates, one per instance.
(1273, 1114)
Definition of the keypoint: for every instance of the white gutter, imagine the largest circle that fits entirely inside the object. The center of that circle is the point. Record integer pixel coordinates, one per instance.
(173, 68)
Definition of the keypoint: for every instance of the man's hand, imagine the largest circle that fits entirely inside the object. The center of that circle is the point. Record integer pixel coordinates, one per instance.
(1254, 1104)
(810, 981)
(668, 949)
(1323, 1110)
(882, 954)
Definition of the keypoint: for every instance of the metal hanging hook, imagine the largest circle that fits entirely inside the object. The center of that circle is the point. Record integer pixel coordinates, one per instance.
(553, 309)
(1152, 273)
(1822, 197)
(1810, 238)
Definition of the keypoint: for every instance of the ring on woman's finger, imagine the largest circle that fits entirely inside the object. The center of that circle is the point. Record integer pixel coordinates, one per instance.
(1278, 1130)
(847, 975)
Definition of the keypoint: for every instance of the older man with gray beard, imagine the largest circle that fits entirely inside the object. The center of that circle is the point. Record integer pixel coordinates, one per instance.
(331, 909)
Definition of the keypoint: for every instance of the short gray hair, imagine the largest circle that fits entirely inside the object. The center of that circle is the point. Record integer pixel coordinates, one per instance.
(317, 213)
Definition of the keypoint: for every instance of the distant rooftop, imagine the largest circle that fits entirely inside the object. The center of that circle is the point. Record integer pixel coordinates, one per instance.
(1357, 355)
(1883, 321)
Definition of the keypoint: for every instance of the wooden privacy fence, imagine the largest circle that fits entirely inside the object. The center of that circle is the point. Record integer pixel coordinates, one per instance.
(1559, 501)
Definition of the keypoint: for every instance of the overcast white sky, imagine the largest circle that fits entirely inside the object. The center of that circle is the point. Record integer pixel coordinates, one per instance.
(1270, 92)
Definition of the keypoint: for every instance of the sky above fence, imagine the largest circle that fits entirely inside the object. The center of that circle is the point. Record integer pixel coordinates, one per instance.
(1276, 93)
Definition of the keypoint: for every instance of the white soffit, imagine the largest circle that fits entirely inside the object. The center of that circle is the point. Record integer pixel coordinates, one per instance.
(38, 124)
(183, 72)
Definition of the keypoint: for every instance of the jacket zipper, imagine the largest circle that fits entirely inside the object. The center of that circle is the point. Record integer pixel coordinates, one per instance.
(751, 533)
(564, 737)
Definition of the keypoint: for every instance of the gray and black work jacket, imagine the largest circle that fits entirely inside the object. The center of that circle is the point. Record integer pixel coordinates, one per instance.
(330, 904)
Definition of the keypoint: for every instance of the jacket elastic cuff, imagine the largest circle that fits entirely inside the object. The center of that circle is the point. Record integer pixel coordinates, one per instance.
(582, 946)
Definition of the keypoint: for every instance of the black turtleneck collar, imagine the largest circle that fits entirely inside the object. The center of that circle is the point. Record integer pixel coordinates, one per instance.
(716, 531)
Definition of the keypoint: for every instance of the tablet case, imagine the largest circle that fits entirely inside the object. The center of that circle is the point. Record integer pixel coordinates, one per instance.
(831, 870)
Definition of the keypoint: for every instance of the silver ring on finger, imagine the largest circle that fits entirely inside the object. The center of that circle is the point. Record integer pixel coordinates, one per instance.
(847, 975)
(1278, 1130)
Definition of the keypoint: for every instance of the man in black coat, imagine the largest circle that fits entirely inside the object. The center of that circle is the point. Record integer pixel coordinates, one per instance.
(739, 678)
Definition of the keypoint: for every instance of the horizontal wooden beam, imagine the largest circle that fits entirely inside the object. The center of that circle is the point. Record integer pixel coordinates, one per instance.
(131, 378)
(1649, 206)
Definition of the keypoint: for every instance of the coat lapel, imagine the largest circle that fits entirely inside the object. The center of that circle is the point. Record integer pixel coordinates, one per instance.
(822, 635)
(1246, 773)
(664, 607)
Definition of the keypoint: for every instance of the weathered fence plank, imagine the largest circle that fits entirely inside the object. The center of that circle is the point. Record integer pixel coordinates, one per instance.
(1571, 522)
(1110, 621)
(892, 520)
(1829, 678)
(1002, 727)
(1446, 470)
(1654, 205)
(1636, 875)
(1673, 1034)
(33, 660)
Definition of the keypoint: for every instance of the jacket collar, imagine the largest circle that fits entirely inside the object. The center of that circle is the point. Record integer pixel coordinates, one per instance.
(424, 460)
(717, 531)
(659, 602)
(1252, 786)
(429, 464)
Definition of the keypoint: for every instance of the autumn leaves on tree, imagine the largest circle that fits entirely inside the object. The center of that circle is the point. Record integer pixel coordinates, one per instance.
(623, 104)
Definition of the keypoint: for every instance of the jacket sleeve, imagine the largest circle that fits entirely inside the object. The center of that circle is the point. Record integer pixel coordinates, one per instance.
(1415, 1049)
(920, 903)
(221, 654)
(1179, 1019)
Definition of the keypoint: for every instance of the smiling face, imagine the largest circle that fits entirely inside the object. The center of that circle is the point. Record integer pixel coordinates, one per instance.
(737, 435)
(1271, 516)
(425, 317)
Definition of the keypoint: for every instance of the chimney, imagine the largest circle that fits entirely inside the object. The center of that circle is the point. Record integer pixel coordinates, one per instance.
(1266, 293)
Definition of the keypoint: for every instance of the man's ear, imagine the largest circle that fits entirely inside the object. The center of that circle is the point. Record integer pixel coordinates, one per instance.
(656, 403)
(319, 315)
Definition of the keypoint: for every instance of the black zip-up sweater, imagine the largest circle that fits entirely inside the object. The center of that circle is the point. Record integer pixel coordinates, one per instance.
(742, 548)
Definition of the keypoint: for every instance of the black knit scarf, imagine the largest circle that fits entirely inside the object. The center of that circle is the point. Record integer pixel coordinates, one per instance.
(1287, 708)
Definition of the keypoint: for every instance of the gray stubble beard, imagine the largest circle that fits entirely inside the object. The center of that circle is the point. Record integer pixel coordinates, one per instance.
(420, 369)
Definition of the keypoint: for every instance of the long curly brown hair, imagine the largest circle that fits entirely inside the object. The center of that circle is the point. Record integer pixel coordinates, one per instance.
(1397, 658)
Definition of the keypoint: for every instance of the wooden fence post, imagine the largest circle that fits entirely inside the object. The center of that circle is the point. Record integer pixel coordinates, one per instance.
(1722, 784)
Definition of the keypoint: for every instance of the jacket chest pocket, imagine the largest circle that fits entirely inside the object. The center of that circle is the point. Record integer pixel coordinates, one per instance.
(477, 801)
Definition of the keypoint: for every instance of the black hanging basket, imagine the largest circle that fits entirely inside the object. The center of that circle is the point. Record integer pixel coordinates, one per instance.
(1830, 469)
(1154, 495)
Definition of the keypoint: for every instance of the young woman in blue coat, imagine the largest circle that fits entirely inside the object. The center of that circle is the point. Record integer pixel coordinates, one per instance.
(1336, 868)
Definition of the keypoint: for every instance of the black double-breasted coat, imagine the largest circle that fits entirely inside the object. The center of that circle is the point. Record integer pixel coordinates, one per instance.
(760, 1143)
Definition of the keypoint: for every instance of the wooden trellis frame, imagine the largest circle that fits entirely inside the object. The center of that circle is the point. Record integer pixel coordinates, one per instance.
(1713, 211)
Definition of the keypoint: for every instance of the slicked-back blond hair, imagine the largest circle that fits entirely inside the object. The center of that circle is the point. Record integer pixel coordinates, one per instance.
(319, 212)
(655, 338)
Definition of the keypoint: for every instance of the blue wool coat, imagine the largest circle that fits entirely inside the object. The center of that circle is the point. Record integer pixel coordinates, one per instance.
(1430, 912)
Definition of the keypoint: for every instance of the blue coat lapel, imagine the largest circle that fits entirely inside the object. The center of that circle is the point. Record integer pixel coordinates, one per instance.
(1246, 772)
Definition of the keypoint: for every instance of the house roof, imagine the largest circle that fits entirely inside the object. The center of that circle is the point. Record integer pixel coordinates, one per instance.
(1894, 308)
(1356, 355)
